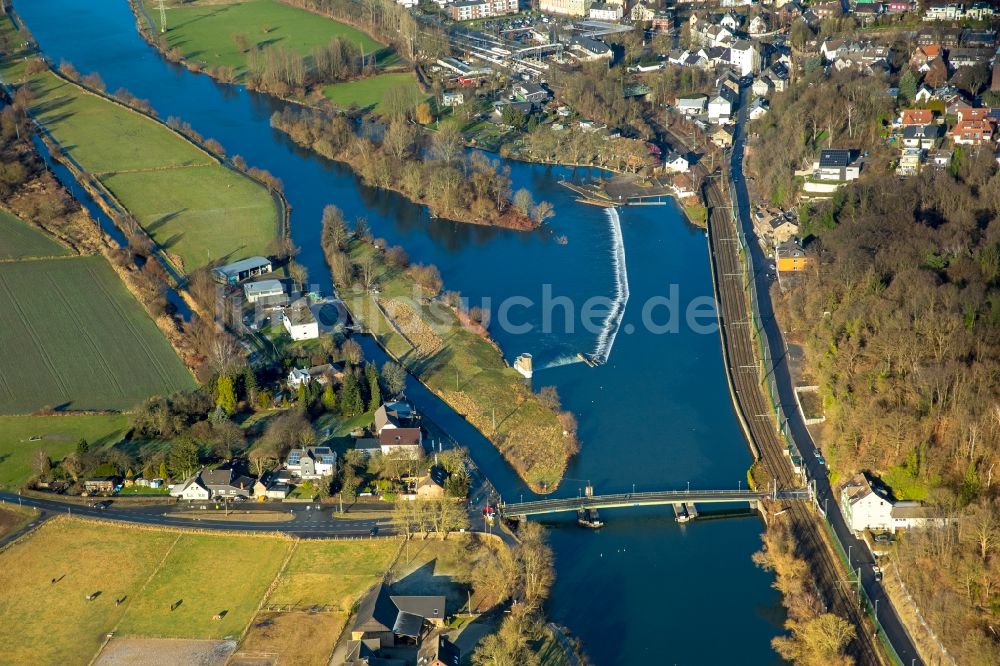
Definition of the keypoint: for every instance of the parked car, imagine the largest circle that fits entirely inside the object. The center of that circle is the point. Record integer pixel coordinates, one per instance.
(819, 457)
(877, 571)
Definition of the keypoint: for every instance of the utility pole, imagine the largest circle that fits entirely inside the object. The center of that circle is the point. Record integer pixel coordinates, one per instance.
(163, 18)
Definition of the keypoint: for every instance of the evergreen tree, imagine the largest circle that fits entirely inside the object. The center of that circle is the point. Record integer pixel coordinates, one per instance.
(350, 397)
(183, 458)
(907, 87)
(329, 398)
(82, 447)
(250, 387)
(163, 471)
(303, 395)
(225, 394)
(374, 392)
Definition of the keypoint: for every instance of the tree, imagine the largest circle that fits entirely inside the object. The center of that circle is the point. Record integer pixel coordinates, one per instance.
(250, 388)
(817, 642)
(537, 564)
(542, 212)
(329, 398)
(446, 144)
(262, 458)
(225, 394)
(399, 138)
(351, 352)
(82, 447)
(509, 645)
(423, 114)
(393, 378)
(350, 397)
(524, 202)
(907, 87)
(41, 465)
(183, 458)
(334, 229)
(374, 391)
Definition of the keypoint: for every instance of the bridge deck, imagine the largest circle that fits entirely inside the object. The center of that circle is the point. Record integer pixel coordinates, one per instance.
(540, 507)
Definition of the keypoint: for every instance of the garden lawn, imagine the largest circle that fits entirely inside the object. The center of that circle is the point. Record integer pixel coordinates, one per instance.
(82, 341)
(208, 575)
(368, 93)
(53, 623)
(204, 33)
(333, 573)
(19, 240)
(197, 209)
(57, 435)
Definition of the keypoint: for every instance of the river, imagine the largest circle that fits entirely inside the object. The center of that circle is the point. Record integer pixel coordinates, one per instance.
(657, 415)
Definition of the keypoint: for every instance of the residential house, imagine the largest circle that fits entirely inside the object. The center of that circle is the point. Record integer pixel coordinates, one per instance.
(101, 485)
(909, 161)
(226, 482)
(723, 137)
(922, 55)
(916, 117)
(972, 132)
(397, 414)
(683, 186)
(972, 113)
(762, 86)
(476, 9)
(299, 321)
(530, 92)
(758, 109)
(322, 374)
(924, 94)
(969, 57)
(921, 136)
(791, 258)
(565, 7)
(744, 56)
(867, 12)
(692, 105)
(830, 48)
(641, 13)
(939, 158)
(264, 291)
(191, 489)
(722, 105)
(781, 229)
(825, 10)
(836, 165)
(243, 269)
(661, 21)
(273, 485)
(944, 11)
(312, 462)
(440, 652)
(385, 621)
(452, 98)
(601, 11)
(430, 485)
(866, 505)
(367, 446)
(408, 440)
(978, 38)
(946, 37)
(899, 6)
(676, 163)
(980, 11)
(758, 26)
(589, 49)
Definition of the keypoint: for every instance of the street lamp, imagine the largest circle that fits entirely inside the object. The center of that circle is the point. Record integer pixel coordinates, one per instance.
(849, 555)
(633, 489)
(689, 486)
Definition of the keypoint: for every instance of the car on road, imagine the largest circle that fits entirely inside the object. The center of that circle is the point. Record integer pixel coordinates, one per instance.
(373, 531)
(877, 571)
(102, 505)
(819, 457)
(882, 537)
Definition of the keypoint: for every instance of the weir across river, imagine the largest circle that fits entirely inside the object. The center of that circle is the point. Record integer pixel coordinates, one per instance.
(655, 498)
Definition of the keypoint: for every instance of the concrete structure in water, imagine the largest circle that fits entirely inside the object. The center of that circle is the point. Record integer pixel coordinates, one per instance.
(523, 364)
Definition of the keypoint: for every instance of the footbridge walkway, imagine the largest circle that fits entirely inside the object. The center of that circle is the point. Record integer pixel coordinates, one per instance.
(655, 498)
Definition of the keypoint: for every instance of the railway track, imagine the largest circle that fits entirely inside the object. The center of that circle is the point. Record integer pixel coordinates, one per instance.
(733, 284)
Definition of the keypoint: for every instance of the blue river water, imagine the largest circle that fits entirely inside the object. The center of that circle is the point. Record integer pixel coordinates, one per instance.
(643, 589)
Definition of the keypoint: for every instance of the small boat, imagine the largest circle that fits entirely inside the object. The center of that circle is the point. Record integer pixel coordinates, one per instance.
(588, 359)
(589, 518)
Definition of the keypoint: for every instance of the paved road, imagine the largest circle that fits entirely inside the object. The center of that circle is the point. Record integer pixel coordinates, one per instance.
(860, 555)
(309, 520)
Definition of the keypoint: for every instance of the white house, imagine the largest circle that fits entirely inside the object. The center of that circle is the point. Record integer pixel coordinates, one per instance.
(758, 25)
(692, 105)
(192, 489)
(322, 374)
(408, 440)
(312, 462)
(745, 57)
(300, 322)
(452, 98)
(263, 290)
(676, 163)
(924, 94)
(758, 109)
(719, 109)
(869, 507)
(602, 11)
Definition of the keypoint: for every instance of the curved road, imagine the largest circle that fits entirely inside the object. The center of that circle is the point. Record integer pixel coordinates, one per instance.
(860, 555)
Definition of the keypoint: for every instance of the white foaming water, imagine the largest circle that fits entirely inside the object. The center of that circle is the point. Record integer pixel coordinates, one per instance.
(561, 361)
(606, 338)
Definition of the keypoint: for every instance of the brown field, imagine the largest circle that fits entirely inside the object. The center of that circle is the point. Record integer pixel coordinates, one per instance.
(13, 518)
(164, 652)
(291, 639)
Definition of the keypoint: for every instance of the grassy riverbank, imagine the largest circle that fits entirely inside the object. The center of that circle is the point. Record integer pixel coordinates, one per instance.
(195, 208)
(204, 32)
(465, 369)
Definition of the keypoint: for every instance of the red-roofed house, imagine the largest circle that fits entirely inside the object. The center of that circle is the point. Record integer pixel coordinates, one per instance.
(969, 113)
(916, 117)
(972, 132)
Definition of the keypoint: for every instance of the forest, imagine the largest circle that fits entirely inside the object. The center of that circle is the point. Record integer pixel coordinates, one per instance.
(901, 329)
(435, 170)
